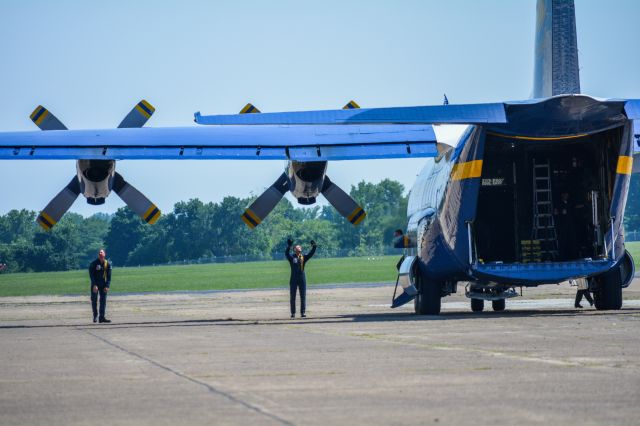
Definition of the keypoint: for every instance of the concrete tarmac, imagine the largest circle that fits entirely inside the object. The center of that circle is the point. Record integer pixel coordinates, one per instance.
(236, 358)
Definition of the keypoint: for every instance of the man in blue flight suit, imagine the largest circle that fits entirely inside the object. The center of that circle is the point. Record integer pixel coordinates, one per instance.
(298, 280)
(100, 275)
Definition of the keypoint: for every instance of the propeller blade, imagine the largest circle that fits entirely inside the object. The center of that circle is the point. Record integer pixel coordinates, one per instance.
(59, 205)
(135, 200)
(138, 116)
(266, 202)
(45, 120)
(351, 105)
(249, 109)
(342, 202)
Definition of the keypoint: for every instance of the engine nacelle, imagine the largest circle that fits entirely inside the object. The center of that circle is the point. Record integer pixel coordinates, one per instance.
(96, 178)
(306, 180)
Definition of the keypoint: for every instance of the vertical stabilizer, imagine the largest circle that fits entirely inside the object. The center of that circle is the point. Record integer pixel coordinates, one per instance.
(556, 55)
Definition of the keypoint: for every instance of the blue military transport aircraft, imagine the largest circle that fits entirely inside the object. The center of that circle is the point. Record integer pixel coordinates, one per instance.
(532, 193)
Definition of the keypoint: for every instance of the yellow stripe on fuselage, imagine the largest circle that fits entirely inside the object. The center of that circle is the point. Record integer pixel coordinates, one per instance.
(532, 138)
(467, 170)
(625, 165)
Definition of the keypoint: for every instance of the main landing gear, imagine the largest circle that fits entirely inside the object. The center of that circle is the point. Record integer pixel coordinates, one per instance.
(607, 287)
(429, 298)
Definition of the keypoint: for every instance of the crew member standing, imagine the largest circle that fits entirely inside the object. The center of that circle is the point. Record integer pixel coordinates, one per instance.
(298, 280)
(100, 275)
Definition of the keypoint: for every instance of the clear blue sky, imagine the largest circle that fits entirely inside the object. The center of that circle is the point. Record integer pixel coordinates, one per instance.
(90, 62)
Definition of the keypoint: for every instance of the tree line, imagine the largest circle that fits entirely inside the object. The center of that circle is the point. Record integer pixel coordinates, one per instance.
(195, 230)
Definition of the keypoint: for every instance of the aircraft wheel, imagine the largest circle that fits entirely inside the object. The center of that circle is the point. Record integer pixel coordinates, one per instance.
(428, 300)
(477, 305)
(498, 305)
(608, 296)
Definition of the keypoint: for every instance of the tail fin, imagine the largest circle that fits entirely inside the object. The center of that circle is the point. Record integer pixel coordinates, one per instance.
(556, 69)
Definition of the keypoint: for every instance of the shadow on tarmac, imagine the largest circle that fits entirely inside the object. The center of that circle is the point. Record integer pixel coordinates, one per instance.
(347, 318)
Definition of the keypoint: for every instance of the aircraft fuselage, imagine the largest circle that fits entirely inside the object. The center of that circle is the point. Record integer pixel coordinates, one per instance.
(478, 212)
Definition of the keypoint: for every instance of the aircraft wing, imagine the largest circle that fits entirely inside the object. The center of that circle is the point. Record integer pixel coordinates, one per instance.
(490, 113)
(348, 134)
(433, 114)
(269, 142)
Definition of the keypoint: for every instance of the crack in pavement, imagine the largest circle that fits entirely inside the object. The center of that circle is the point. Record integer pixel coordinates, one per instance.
(207, 386)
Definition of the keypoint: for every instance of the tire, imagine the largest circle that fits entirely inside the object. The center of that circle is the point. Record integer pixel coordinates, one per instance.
(428, 300)
(477, 305)
(498, 305)
(608, 296)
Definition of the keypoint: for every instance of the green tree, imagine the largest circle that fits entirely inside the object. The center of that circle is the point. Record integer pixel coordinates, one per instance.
(17, 225)
(154, 246)
(56, 250)
(231, 236)
(124, 235)
(189, 229)
(386, 210)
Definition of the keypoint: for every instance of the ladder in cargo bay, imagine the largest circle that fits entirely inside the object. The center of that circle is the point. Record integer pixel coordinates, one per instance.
(544, 227)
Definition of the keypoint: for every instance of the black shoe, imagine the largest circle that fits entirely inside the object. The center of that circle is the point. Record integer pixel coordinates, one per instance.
(303, 315)
(95, 318)
(577, 305)
(293, 316)
(104, 320)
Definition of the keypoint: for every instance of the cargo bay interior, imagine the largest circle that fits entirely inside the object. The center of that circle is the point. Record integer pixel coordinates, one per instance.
(545, 200)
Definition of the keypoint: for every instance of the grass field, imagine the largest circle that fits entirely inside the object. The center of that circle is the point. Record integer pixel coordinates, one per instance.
(634, 249)
(213, 276)
(203, 277)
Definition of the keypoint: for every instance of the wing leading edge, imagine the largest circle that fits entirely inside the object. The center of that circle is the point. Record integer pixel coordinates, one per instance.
(300, 143)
